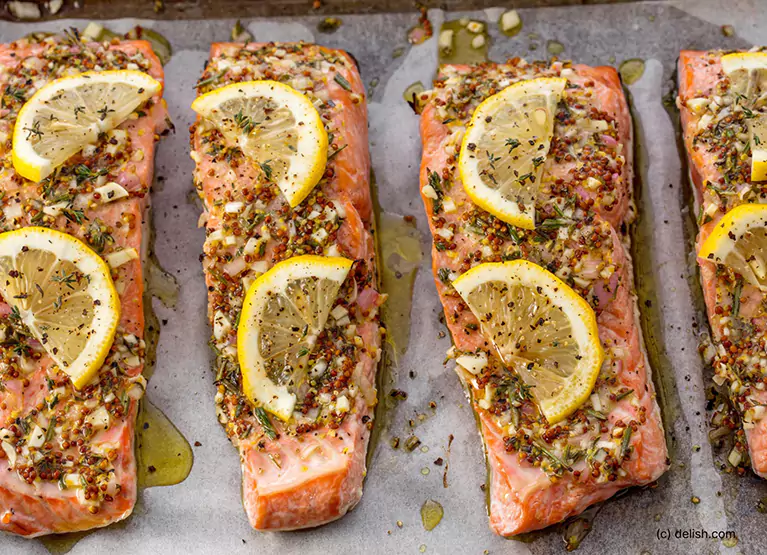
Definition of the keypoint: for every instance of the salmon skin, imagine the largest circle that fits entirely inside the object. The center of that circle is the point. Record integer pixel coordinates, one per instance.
(83, 474)
(308, 471)
(541, 474)
(720, 172)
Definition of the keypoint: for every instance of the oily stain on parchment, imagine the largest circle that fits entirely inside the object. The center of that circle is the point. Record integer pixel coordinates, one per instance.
(163, 455)
(575, 529)
(731, 488)
(399, 254)
(462, 50)
(459, 51)
(641, 233)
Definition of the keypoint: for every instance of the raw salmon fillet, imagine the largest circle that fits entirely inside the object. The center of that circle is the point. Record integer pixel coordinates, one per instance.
(541, 474)
(311, 470)
(67, 460)
(720, 171)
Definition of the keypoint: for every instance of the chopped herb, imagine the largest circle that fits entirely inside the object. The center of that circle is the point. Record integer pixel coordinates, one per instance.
(266, 424)
(435, 182)
(51, 430)
(525, 177)
(267, 169)
(104, 112)
(13, 94)
(624, 395)
(551, 456)
(84, 172)
(343, 82)
(736, 297)
(245, 123)
(34, 131)
(553, 223)
(492, 159)
(73, 215)
(73, 36)
(98, 236)
(210, 79)
(333, 154)
(596, 414)
(512, 144)
(67, 279)
(626, 441)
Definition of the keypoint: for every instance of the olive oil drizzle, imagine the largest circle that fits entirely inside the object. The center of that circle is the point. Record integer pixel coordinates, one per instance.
(398, 256)
(163, 455)
(461, 50)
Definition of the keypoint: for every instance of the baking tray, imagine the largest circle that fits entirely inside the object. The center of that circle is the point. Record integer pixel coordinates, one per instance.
(204, 513)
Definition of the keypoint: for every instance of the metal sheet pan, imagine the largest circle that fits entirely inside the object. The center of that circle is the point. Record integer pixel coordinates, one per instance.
(204, 514)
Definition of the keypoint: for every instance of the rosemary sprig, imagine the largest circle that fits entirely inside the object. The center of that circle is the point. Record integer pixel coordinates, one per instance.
(624, 395)
(266, 424)
(736, 297)
(210, 79)
(343, 82)
(596, 414)
(551, 456)
(51, 430)
(626, 441)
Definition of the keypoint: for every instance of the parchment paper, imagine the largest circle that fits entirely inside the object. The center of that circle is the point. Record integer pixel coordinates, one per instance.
(204, 514)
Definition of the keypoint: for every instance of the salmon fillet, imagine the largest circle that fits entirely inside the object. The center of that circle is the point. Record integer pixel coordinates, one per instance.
(720, 171)
(82, 474)
(541, 474)
(311, 470)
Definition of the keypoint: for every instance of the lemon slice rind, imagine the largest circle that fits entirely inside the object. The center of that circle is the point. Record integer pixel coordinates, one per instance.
(61, 118)
(278, 399)
(740, 67)
(50, 320)
(518, 150)
(739, 241)
(743, 60)
(552, 298)
(305, 160)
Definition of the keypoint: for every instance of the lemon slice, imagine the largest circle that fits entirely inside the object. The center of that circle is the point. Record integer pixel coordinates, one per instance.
(284, 312)
(275, 126)
(541, 329)
(63, 292)
(747, 72)
(742, 67)
(757, 136)
(70, 113)
(505, 146)
(739, 241)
